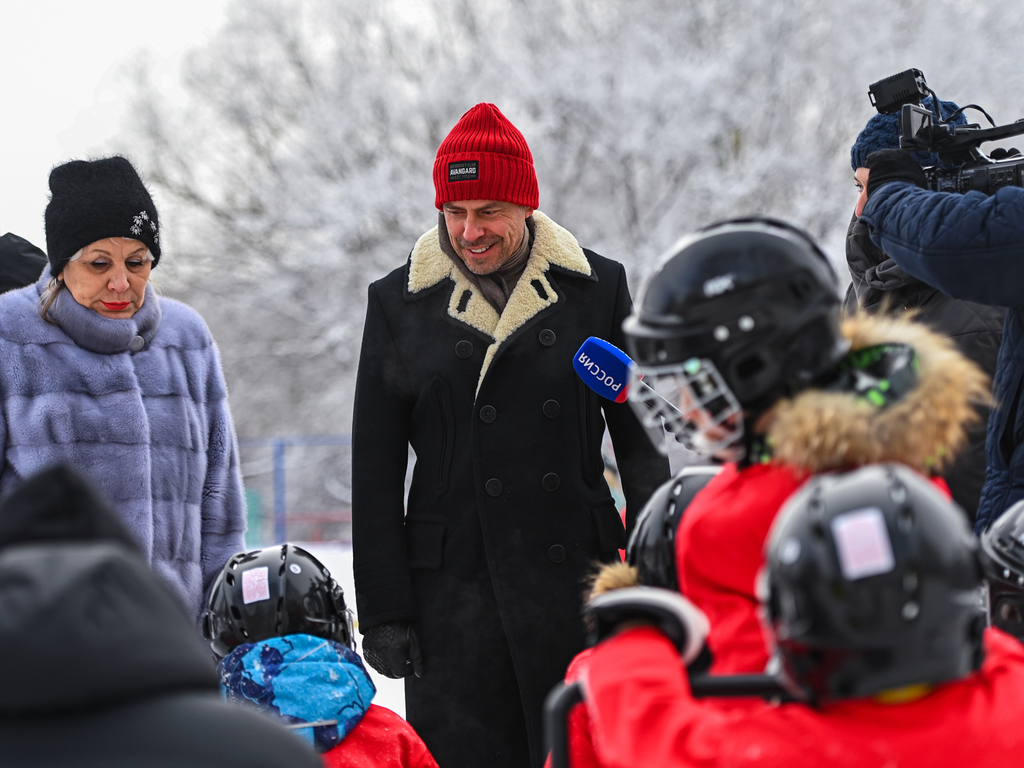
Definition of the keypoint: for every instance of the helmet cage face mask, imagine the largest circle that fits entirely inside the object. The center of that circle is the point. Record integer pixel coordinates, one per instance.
(753, 299)
(691, 403)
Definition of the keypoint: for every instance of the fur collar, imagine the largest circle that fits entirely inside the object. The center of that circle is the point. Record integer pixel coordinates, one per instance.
(818, 431)
(553, 246)
(104, 335)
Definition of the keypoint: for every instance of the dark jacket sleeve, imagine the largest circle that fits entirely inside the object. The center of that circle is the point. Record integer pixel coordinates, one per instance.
(642, 468)
(380, 450)
(969, 246)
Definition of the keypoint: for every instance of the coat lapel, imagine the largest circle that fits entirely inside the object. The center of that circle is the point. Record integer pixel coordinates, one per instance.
(535, 291)
(428, 266)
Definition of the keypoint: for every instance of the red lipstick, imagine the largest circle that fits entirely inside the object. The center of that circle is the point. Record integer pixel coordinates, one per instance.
(115, 306)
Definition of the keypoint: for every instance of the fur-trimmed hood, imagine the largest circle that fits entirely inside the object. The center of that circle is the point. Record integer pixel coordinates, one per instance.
(553, 246)
(820, 430)
(613, 576)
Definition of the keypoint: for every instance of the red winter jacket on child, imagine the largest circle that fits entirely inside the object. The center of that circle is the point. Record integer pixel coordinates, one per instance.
(720, 540)
(381, 740)
(642, 714)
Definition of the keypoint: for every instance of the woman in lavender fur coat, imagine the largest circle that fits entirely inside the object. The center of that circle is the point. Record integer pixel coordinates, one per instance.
(99, 372)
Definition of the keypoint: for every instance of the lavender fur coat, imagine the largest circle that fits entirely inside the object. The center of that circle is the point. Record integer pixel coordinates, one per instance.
(149, 423)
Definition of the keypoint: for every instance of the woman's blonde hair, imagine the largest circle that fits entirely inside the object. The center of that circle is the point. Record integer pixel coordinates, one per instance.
(47, 297)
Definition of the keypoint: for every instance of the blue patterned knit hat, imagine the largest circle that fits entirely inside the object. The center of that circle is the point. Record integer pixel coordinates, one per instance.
(883, 132)
(318, 685)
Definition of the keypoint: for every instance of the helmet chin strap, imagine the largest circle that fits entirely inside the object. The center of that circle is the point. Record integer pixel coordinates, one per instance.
(904, 694)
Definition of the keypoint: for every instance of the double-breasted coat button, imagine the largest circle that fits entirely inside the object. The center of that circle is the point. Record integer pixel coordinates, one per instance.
(136, 344)
(488, 414)
(547, 337)
(464, 349)
(556, 554)
(493, 487)
(550, 481)
(551, 408)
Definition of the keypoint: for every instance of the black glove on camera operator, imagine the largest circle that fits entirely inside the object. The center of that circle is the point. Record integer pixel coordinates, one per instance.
(393, 649)
(893, 165)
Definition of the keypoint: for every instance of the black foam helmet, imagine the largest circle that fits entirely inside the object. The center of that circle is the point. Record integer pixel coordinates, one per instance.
(652, 548)
(1002, 547)
(754, 297)
(874, 582)
(280, 590)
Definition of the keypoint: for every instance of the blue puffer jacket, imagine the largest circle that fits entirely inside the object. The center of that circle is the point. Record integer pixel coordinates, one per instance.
(140, 406)
(970, 247)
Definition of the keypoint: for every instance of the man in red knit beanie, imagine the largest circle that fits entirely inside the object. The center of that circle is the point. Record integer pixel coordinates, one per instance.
(470, 587)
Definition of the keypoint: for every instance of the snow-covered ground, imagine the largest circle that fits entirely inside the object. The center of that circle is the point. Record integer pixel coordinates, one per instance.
(338, 560)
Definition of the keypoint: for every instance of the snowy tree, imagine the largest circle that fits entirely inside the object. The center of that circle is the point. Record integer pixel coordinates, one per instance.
(294, 168)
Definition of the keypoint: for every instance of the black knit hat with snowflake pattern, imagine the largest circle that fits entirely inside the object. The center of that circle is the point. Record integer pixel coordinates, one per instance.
(94, 199)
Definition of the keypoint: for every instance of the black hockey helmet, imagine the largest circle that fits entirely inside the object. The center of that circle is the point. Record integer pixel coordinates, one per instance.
(874, 583)
(1002, 547)
(280, 590)
(652, 545)
(738, 315)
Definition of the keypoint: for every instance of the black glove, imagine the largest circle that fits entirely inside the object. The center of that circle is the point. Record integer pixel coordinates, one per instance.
(893, 165)
(665, 609)
(393, 649)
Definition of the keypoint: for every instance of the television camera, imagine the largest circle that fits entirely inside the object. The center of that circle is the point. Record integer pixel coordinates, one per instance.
(965, 166)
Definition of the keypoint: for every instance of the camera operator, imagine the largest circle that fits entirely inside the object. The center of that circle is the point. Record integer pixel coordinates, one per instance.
(969, 246)
(879, 286)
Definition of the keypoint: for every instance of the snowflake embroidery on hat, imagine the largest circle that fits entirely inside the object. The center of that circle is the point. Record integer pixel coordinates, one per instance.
(136, 227)
(138, 220)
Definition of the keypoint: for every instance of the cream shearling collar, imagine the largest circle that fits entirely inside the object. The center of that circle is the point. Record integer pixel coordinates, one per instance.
(553, 246)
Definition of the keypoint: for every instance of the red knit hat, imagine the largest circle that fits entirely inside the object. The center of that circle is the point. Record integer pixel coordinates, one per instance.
(485, 157)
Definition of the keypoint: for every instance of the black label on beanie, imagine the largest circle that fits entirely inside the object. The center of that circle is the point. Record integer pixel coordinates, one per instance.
(464, 170)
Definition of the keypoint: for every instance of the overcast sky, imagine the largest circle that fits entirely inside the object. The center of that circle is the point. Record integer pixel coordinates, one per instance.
(59, 61)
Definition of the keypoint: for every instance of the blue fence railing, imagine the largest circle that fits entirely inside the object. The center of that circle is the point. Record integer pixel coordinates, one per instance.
(308, 478)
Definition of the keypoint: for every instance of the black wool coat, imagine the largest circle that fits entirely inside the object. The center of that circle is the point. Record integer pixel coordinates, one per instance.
(508, 510)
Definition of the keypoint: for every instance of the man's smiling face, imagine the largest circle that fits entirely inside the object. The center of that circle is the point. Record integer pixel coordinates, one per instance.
(485, 233)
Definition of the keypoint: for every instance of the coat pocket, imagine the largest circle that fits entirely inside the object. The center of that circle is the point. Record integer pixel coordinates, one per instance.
(444, 429)
(591, 431)
(611, 533)
(425, 542)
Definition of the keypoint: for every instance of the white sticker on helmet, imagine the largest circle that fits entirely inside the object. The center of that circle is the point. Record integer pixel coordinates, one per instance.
(255, 585)
(862, 543)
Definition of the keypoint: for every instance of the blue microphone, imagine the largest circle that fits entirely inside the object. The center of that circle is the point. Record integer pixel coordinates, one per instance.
(604, 368)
